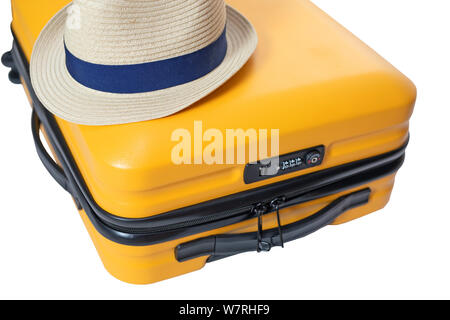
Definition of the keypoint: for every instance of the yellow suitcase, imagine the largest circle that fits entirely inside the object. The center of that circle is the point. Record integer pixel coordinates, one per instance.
(342, 113)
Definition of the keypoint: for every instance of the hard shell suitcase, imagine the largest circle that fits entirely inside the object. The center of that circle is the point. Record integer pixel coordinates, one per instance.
(341, 110)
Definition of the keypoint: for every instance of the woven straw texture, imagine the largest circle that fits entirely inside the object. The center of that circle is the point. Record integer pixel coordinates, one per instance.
(131, 32)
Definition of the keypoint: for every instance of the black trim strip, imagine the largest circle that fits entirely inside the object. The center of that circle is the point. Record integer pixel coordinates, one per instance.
(175, 224)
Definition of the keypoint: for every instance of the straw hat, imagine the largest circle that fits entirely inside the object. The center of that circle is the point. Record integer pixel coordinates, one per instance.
(103, 62)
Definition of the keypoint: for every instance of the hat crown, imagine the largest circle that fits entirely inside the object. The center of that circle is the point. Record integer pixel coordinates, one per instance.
(124, 32)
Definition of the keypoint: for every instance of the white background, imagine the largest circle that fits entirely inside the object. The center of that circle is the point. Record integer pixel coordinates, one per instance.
(399, 252)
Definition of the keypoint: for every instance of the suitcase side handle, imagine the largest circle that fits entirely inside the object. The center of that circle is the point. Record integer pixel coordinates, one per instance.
(52, 167)
(222, 246)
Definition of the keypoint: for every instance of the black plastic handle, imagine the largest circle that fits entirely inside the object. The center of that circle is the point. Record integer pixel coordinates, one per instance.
(225, 245)
(52, 167)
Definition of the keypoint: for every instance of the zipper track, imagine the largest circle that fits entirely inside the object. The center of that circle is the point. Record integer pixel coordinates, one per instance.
(191, 223)
(264, 208)
(285, 200)
(289, 199)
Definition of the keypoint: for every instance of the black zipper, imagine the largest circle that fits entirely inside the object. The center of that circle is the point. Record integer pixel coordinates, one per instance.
(295, 196)
(306, 189)
(247, 212)
(186, 224)
(258, 210)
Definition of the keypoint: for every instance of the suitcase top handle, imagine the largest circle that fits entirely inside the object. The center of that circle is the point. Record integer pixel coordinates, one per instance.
(221, 246)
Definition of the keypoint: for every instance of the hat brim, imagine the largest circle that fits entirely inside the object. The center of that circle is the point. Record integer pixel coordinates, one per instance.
(71, 101)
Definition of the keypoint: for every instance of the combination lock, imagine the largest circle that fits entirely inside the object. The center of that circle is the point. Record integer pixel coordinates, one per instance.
(313, 158)
(288, 163)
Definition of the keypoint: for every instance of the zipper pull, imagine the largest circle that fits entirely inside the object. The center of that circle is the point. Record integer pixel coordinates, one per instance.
(259, 210)
(275, 204)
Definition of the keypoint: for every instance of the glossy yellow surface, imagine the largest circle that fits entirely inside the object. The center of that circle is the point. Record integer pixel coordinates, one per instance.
(309, 77)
